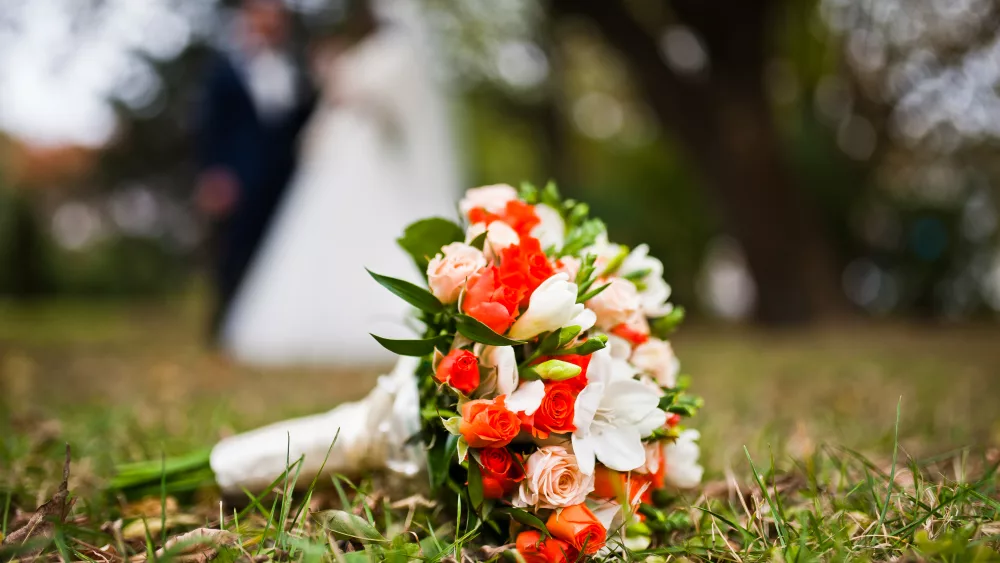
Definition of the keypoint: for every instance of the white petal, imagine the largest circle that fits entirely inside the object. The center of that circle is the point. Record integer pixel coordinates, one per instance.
(619, 448)
(655, 419)
(527, 398)
(585, 319)
(586, 406)
(551, 229)
(605, 511)
(583, 447)
(630, 400)
(502, 358)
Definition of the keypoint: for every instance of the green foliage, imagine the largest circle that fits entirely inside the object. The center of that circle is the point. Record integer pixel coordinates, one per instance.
(412, 294)
(476, 331)
(417, 348)
(423, 239)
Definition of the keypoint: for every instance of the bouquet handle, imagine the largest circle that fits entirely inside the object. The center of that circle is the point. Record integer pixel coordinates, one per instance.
(371, 434)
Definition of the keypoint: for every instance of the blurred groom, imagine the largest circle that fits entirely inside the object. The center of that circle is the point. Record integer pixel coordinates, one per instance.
(256, 100)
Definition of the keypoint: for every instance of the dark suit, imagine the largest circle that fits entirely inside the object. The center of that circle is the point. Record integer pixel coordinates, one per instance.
(260, 153)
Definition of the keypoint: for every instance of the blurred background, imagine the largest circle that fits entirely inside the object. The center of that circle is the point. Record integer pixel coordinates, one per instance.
(792, 162)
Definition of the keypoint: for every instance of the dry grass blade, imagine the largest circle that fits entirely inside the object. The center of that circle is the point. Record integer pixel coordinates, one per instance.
(42, 522)
(196, 546)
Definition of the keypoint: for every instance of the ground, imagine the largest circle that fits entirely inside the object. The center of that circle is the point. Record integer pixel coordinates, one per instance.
(125, 382)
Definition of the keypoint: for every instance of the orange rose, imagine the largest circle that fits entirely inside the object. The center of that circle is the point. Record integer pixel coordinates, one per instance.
(460, 369)
(501, 472)
(534, 549)
(578, 526)
(491, 302)
(488, 424)
(519, 215)
(555, 414)
(525, 266)
(612, 484)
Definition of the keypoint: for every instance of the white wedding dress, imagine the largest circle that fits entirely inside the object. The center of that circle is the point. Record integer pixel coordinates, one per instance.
(377, 156)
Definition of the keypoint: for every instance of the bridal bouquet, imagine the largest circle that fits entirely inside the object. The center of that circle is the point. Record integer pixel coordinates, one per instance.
(550, 398)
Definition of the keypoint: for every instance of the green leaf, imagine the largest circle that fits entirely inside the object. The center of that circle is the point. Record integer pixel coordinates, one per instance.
(423, 239)
(557, 370)
(475, 484)
(664, 326)
(480, 241)
(344, 525)
(528, 193)
(476, 331)
(557, 339)
(592, 294)
(525, 518)
(411, 293)
(582, 236)
(414, 347)
(550, 195)
(578, 214)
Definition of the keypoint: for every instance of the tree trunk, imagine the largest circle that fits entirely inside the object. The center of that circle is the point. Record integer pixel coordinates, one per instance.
(723, 118)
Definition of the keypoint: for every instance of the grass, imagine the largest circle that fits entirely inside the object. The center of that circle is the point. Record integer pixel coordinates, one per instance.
(848, 443)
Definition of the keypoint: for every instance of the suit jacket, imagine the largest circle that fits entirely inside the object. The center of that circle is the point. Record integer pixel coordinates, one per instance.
(260, 153)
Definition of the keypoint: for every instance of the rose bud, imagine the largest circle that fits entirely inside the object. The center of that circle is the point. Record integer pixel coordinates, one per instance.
(460, 369)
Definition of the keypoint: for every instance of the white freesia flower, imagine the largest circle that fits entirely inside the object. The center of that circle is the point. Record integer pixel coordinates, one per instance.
(527, 398)
(613, 413)
(656, 357)
(552, 306)
(616, 304)
(491, 198)
(448, 271)
(499, 235)
(654, 291)
(551, 229)
(681, 459)
(501, 361)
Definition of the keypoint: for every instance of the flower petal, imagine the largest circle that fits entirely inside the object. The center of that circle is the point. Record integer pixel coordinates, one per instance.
(619, 448)
(583, 447)
(527, 398)
(586, 406)
(585, 319)
(630, 401)
(655, 419)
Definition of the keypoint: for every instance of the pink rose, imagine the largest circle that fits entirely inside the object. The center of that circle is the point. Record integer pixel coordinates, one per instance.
(553, 480)
(616, 304)
(656, 357)
(448, 271)
(491, 198)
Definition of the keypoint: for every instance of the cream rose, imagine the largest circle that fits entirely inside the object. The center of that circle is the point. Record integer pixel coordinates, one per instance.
(553, 480)
(499, 235)
(616, 304)
(656, 357)
(447, 272)
(491, 198)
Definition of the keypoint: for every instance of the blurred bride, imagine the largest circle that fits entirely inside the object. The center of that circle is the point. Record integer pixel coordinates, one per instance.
(377, 156)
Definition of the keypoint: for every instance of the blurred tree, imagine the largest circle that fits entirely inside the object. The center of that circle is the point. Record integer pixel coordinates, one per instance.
(701, 66)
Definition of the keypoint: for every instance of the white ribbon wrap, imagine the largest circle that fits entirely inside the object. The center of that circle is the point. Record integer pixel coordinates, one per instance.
(373, 435)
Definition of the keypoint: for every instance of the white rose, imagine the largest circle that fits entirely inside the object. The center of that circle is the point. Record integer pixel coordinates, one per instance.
(616, 304)
(656, 357)
(491, 198)
(552, 306)
(681, 459)
(551, 229)
(499, 235)
(553, 480)
(447, 272)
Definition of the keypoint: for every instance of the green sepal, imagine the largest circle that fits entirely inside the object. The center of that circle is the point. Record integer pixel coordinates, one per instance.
(592, 294)
(411, 293)
(480, 241)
